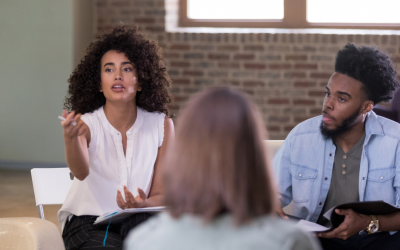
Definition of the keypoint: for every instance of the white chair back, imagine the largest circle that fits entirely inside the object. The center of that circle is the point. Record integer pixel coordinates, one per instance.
(273, 146)
(51, 186)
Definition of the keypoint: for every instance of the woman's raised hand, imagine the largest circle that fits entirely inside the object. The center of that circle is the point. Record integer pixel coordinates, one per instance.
(130, 201)
(73, 126)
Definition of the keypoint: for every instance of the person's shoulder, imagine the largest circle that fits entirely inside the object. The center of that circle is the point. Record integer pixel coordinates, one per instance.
(93, 114)
(390, 128)
(150, 233)
(282, 234)
(309, 126)
(151, 115)
(92, 118)
(290, 236)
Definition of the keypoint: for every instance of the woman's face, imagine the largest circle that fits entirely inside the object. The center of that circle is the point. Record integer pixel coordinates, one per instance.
(119, 81)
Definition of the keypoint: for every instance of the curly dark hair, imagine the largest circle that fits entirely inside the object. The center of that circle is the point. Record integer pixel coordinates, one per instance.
(84, 82)
(371, 67)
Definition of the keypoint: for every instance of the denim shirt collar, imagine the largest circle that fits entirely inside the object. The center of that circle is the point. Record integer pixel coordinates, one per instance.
(373, 126)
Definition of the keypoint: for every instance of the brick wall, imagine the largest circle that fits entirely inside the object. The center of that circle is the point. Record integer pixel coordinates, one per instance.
(285, 74)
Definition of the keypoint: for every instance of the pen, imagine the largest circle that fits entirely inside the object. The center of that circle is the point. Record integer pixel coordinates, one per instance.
(63, 119)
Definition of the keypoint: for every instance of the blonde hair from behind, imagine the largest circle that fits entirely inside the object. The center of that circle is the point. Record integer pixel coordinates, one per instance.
(218, 162)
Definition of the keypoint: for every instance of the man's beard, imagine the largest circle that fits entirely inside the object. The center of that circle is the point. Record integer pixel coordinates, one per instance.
(346, 125)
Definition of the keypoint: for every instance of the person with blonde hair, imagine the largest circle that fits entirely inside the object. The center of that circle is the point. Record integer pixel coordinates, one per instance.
(217, 182)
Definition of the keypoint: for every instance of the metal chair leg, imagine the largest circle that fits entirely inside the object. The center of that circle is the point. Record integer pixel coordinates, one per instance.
(41, 213)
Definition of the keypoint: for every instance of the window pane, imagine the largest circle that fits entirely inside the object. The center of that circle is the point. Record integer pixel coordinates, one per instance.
(353, 11)
(235, 9)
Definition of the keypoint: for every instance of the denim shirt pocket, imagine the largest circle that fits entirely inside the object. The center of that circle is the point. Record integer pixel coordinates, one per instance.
(303, 179)
(380, 184)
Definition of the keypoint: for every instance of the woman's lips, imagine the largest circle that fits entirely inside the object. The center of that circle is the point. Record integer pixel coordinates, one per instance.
(118, 88)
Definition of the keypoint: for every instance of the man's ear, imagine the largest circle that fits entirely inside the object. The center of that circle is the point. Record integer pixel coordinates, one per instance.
(368, 106)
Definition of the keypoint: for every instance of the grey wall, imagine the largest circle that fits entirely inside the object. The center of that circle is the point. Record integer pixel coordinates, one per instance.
(36, 59)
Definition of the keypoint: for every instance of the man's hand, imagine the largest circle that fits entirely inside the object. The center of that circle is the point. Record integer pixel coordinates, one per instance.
(131, 202)
(352, 224)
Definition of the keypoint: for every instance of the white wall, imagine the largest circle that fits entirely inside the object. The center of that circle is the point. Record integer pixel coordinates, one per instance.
(36, 59)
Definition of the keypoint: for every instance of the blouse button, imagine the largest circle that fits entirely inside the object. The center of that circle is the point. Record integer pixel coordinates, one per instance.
(344, 165)
(344, 156)
(343, 172)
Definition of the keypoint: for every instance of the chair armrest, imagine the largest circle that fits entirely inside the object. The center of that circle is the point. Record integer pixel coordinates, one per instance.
(30, 234)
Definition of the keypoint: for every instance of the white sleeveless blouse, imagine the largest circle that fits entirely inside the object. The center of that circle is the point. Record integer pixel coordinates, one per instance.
(109, 168)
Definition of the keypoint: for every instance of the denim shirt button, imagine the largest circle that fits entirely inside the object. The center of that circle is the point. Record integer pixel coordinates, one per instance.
(363, 178)
(299, 175)
(326, 178)
(381, 177)
(320, 203)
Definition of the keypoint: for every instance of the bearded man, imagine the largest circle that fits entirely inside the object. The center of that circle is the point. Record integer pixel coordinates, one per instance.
(347, 154)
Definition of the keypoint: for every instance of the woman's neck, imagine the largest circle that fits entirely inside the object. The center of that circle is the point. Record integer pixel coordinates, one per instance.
(121, 116)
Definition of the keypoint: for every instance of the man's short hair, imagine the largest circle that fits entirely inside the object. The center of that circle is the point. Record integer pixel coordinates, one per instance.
(371, 67)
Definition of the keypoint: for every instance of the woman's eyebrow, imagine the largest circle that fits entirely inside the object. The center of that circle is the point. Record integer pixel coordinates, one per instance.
(112, 64)
(126, 63)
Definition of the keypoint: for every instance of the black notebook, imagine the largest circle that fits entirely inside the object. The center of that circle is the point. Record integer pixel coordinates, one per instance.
(362, 207)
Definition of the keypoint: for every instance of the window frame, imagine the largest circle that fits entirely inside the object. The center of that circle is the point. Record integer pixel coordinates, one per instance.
(295, 17)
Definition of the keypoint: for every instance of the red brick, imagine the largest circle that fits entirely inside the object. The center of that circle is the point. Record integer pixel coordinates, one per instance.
(179, 47)
(252, 84)
(279, 119)
(279, 66)
(300, 119)
(229, 65)
(170, 55)
(145, 20)
(230, 82)
(180, 64)
(253, 47)
(278, 101)
(273, 128)
(296, 74)
(180, 98)
(296, 58)
(316, 111)
(249, 92)
(228, 48)
(306, 66)
(254, 66)
(218, 56)
(192, 73)
(244, 57)
(316, 93)
(172, 106)
(304, 102)
(321, 75)
(305, 84)
(181, 81)
(288, 128)
(120, 3)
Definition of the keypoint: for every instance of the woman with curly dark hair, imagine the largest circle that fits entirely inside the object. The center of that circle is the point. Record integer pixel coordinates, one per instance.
(116, 136)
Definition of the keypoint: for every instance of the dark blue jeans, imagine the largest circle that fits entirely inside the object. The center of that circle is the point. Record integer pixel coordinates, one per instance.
(376, 241)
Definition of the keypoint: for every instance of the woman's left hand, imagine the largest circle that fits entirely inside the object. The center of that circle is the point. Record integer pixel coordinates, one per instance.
(130, 201)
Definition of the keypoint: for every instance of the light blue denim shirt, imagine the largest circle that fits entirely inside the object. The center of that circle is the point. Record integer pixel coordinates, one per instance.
(303, 166)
